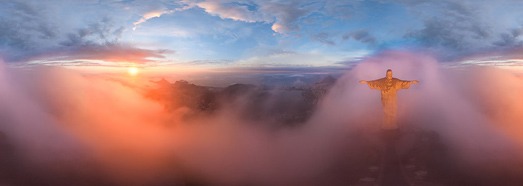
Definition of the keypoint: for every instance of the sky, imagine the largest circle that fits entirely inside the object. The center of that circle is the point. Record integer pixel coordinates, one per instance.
(259, 34)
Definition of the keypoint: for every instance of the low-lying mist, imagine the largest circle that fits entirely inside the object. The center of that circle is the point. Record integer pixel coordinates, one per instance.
(60, 127)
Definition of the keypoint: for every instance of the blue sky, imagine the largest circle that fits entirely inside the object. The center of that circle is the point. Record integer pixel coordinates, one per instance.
(255, 33)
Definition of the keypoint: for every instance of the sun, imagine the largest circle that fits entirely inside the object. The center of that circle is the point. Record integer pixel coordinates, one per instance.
(133, 71)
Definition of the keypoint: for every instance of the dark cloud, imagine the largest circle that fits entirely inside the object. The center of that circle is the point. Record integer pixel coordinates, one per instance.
(513, 38)
(27, 33)
(453, 29)
(455, 26)
(361, 35)
(31, 20)
(340, 9)
(324, 38)
(23, 29)
(103, 32)
(437, 33)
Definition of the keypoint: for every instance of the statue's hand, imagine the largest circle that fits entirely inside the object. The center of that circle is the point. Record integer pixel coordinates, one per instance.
(415, 82)
(363, 82)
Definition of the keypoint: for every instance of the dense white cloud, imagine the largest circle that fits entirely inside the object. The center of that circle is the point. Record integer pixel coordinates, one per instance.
(54, 116)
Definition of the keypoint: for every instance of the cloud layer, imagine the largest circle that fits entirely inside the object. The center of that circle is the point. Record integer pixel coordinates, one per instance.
(53, 116)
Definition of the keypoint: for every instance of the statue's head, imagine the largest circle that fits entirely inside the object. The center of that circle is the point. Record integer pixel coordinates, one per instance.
(389, 74)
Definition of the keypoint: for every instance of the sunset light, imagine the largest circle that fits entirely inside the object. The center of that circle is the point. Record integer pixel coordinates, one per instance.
(133, 71)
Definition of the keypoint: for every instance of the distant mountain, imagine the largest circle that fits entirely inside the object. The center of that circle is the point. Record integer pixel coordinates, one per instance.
(283, 106)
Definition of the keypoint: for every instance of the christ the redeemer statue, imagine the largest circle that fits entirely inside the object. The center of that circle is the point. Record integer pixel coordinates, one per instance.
(388, 87)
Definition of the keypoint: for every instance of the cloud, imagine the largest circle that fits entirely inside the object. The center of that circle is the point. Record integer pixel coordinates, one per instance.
(466, 99)
(361, 35)
(28, 34)
(28, 29)
(457, 28)
(513, 38)
(342, 10)
(99, 33)
(100, 41)
(135, 140)
(246, 12)
(54, 116)
(287, 15)
(150, 15)
(510, 58)
(324, 38)
(108, 53)
(294, 59)
(283, 15)
(440, 33)
(180, 6)
(231, 10)
(23, 28)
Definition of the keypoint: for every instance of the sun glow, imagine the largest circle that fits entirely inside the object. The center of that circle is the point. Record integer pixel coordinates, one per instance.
(133, 71)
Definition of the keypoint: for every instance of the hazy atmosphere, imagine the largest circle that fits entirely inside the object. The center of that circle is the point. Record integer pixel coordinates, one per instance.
(183, 92)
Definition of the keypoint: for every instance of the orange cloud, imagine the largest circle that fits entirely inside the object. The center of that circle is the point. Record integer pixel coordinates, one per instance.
(107, 53)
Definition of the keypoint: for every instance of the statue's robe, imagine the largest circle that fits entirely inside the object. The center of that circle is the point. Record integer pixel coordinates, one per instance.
(388, 88)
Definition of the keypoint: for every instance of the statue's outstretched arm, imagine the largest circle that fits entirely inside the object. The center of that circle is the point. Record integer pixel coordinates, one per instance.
(406, 84)
(374, 84)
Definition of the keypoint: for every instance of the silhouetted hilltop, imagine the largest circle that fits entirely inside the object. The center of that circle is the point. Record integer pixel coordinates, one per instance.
(183, 94)
(326, 82)
(238, 90)
(282, 105)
